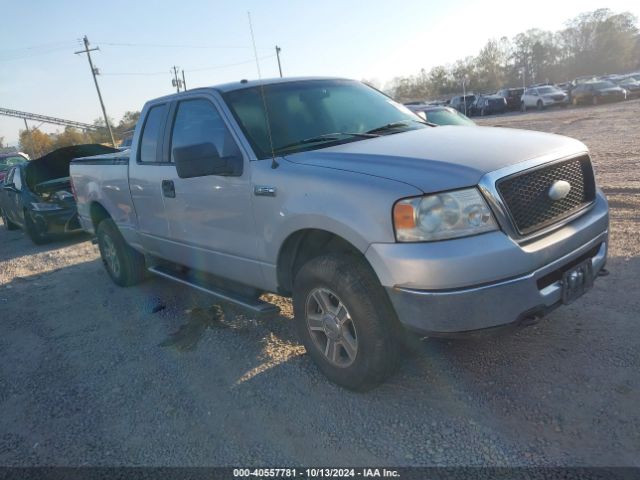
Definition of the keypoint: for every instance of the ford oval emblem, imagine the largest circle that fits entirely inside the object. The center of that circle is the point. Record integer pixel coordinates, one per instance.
(559, 190)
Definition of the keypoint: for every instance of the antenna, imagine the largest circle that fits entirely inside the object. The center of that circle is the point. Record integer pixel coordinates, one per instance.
(274, 163)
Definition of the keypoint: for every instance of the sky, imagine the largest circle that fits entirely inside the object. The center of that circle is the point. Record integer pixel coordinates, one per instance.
(140, 41)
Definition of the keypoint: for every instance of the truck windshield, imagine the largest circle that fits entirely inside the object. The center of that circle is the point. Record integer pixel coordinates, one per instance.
(328, 112)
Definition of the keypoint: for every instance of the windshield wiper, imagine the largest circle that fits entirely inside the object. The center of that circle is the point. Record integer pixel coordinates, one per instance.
(396, 125)
(327, 137)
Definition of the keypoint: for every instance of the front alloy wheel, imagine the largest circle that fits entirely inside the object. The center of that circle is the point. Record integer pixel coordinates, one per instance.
(110, 256)
(331, 327)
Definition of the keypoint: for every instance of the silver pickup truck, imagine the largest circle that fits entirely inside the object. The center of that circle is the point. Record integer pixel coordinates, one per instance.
(374, 221)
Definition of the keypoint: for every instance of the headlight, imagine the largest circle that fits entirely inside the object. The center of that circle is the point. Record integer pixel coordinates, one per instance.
(444, 215)
(44, 207)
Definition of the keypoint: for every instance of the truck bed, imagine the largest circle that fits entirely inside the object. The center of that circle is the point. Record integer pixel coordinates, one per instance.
(103, 179)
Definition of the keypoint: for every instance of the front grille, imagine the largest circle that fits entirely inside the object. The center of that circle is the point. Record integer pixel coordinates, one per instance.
(526, 197)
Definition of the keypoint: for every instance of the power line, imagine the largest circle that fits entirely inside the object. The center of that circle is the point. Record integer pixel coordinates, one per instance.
(228, 65)
(215, 67)
(157, 45)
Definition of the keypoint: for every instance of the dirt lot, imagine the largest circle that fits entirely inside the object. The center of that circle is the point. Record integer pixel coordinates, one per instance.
(84, 381)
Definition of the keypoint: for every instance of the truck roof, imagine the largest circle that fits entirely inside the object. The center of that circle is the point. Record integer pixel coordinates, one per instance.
(242, 84)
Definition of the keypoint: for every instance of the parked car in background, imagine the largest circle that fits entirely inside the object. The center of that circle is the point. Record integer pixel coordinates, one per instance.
(630, 84)
(463, 103)
(488, 105)
(597, 92)
(8, 160)
(125, 143)
(512, 96)
(441, 115)
(543, 97)
(565, 87)
(36, 196)
(383, 227)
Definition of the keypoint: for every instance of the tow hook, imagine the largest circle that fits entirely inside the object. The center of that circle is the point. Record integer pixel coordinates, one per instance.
(603, 272)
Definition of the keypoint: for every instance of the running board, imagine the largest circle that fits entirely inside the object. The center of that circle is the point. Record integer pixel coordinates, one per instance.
(254, 305)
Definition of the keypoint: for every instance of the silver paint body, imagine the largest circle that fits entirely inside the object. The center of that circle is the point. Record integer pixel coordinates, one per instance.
(235, 227)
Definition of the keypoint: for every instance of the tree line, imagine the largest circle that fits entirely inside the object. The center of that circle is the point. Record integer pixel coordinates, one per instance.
(36, 143)
(593, 43)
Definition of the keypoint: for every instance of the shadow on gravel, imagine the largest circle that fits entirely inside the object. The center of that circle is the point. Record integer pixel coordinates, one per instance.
(17, 244)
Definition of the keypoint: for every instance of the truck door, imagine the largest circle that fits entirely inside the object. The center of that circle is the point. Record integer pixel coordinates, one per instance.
(211, 217)
(146, 172)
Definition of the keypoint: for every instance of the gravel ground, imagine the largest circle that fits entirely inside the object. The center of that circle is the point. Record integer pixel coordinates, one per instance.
(84, 380)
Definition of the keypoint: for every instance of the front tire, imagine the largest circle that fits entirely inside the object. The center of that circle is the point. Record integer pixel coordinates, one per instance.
(124, 264)
(346, 322)
(33, 232)
(8, 224)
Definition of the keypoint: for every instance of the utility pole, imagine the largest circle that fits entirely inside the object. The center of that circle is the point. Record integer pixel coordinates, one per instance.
(278, 55)
(184, 82)
(94, 72)
(33, 144)
(176, 82)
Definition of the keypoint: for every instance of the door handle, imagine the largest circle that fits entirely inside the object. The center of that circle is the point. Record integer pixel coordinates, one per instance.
(168, 189)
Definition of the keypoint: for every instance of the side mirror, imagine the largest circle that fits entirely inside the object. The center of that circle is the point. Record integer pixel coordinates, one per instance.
(203, 159)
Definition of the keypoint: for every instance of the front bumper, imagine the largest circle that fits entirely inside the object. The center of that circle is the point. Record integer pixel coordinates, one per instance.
(489, 280)
(57, 221)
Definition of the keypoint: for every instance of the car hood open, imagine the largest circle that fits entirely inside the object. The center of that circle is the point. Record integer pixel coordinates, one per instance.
(440, 158)
(56, 164)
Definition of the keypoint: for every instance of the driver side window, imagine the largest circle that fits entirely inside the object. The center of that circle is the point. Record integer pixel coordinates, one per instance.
(198, 121)
(17, 181)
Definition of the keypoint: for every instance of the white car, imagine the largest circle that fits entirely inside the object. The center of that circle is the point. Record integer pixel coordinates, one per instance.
(543, 97)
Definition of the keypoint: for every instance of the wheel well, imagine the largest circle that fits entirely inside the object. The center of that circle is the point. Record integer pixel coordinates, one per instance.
(302, 246)
(98, 213)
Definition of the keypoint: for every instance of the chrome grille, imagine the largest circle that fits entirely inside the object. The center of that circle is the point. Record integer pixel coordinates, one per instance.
(526, 194)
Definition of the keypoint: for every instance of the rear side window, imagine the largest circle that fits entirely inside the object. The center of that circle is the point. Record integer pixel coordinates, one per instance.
(151, 134)
(198, 121)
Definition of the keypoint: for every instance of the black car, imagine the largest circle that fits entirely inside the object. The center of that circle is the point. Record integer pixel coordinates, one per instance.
(488, 105)
(37, 196)
(512, 96)
(463, 103)
(440, 115)
(597, 92)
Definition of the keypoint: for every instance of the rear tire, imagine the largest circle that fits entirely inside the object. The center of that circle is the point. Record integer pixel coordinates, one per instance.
(346, 322)
(32, 231)
(124, 264)
(8, 224)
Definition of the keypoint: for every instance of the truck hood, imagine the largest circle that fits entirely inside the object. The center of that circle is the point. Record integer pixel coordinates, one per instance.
(440, 158)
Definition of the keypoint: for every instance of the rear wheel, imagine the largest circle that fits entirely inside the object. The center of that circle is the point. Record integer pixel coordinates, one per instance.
(124, 264)
(8, 224)
(346, 321)
(36, 235)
